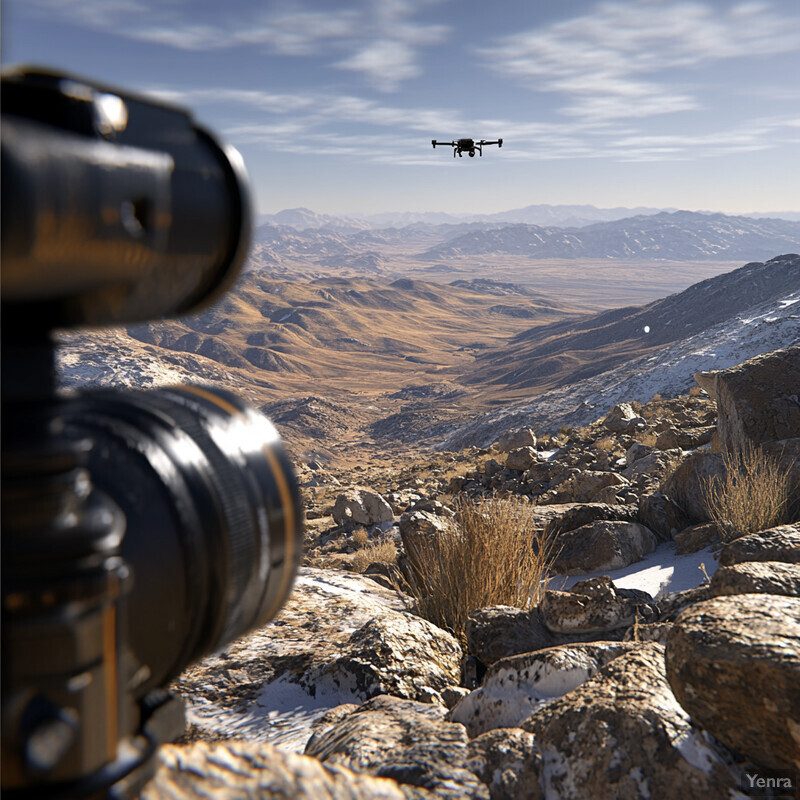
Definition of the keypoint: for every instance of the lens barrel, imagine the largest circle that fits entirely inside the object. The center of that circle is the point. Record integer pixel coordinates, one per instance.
(214, 533)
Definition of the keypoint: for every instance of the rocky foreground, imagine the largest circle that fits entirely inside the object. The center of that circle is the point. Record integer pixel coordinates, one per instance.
(596, 692)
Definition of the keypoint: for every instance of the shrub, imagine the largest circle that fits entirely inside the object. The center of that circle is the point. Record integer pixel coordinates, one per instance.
(360, 537)
(492, 555)
(380, 552)
(753, 495)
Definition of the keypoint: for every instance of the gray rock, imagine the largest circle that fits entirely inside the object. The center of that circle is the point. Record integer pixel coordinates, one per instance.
(592, 606)
(507, 761)
(622, 734)
(521, 459)
(697, 537)
(757, 577)
(775, 544)
(686, 484)
(662, 515)
(757, 400)
(623, 418)
(362, 507)
(577, 515)
(512, 440)
(734, 665)
(389, 737)
(514, 687)
(602, 545)
(585, 485)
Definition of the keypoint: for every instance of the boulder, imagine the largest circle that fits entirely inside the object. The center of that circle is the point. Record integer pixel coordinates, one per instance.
(514, 687)
(697, 537)
(393, 738)
(521, 459)
(757, 401)
(636, 451)
(361, 507)
(584, 485)
(686, 485)
(602, 545)
(507, 761)
(781, 543)
(513, 440)
(734, 664)
(684, 438)
(340, 638)
(580, 514)
(500, 631)
(594, 605)
(622, 734)
(240, 769)
(671, 605)
(655, 466)
(757, 577)
(662, 515)
(623, 418)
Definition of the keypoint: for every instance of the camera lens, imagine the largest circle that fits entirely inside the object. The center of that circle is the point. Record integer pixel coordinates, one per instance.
(213, 514)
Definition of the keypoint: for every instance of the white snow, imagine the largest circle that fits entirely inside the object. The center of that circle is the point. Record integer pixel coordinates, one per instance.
(659, 573)
(282, 715)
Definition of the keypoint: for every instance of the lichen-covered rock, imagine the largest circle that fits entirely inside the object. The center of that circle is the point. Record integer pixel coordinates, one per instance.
(622, 734)
(500, 631)
(389, 737)
(340, 638)
(514, 687)
(602, 545)
(781, 543)
(734, 664)
(236, 770)
(594, 605)
(507, 761)
(757, 577)
(362, 507)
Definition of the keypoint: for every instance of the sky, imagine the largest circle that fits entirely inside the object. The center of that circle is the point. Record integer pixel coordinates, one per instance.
(691, 104)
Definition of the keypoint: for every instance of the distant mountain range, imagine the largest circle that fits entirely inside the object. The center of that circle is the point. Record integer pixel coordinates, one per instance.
(670, 236)
(562, 216)
(676, 236)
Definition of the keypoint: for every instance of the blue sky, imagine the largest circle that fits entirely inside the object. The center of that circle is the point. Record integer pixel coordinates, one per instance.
(666, 103)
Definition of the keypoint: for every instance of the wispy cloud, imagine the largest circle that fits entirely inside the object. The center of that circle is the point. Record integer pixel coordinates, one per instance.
(378, 39)
(608, 64)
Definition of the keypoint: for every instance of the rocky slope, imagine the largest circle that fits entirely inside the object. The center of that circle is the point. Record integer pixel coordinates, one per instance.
(598, 691)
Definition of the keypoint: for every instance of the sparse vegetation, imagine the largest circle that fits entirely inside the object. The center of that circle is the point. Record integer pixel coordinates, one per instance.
(383, 552)
(493, 555)
(753, 495)
(360, 537)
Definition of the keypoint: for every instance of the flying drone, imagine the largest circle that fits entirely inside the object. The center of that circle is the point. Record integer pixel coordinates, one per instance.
(461, 146)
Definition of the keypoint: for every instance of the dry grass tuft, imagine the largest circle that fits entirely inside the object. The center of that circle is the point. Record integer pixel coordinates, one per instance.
(753, 496)
(380, 553)
(360, 537)
(493, 555)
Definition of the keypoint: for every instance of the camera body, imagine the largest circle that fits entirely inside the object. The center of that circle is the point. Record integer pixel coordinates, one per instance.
(141, 530)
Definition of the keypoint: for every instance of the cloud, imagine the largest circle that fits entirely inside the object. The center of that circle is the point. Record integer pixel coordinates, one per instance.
(609, 64)
(378, 39)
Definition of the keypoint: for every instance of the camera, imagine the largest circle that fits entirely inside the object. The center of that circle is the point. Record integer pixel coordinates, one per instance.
(141, 530)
